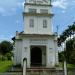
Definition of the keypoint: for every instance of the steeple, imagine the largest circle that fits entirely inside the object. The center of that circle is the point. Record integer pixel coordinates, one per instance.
(37, 43)
(37, 17)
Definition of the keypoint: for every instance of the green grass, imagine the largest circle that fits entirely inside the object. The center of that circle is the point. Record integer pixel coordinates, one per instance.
(68, 65)
(5, 65)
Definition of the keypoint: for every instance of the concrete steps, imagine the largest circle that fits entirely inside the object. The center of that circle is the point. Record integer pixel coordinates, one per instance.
(33, 71)
(43, 71)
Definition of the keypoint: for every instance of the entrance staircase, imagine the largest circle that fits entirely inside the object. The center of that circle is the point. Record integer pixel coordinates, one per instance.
(43, 71)
(34, 71)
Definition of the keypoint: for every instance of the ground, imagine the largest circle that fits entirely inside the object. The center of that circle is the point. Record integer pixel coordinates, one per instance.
(5, 65)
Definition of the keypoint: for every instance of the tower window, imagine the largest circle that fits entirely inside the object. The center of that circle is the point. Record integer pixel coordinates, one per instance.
(32, 10)
(43, 11)
(44, 23)
(31, 23)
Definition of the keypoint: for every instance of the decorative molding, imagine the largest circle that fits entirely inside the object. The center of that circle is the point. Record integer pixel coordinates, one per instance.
(50, 48)
(25, 49)
(38, 41)
(37, 4)
(38, 14)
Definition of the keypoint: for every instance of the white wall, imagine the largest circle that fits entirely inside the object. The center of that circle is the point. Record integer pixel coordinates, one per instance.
(38, 25)
(56, 52)
(53, 52)
(18, 52)
(22, 50)
(38, 20)
(50, 49)
(22, 47)
(27, 7)
(50, 53)
(26, 51)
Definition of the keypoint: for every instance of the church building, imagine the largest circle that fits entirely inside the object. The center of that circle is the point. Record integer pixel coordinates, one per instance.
(37, 43)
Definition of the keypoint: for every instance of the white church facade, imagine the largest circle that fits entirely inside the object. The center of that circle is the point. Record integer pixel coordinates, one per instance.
(37, 43)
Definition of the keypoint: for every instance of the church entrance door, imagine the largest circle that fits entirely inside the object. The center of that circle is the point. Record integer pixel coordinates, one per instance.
(36, 56)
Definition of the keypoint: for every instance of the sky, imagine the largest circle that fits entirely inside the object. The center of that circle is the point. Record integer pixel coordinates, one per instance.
(11, 18)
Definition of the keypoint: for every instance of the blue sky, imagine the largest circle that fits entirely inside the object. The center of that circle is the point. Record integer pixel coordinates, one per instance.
(11, 19)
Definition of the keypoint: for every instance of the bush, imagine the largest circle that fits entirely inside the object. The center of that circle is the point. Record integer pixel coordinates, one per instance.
(4, 58)
(0, 57)
(8, 55)
(5, 47)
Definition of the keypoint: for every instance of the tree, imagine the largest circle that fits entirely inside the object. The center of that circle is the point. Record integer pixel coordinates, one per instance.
(61, 56)
(70, 46)
(70, 31)
(70, 51)
(6, 47)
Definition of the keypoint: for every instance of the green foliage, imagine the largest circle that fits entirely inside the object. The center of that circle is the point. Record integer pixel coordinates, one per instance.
(5, 47)
(8, 55)
(70, 31)
(2, 58)
(69, 66)
(5, 66)
(70, 51)
(61, 56)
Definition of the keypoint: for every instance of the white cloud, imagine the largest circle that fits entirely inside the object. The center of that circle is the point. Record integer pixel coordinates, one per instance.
(60, 4)
(63, 11)
(9, 7)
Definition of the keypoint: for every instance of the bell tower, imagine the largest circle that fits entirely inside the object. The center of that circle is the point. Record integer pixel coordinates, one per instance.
(37, 17)
(37, 43)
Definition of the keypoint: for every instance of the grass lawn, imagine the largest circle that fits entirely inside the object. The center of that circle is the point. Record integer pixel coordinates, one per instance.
(5, 65)
(68, 65)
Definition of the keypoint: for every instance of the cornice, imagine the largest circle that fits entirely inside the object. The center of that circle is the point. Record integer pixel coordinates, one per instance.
(32, 35)
(37, 4)
(38, 14)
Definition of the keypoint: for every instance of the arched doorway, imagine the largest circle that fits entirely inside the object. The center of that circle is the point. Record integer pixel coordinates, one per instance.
(36, 56)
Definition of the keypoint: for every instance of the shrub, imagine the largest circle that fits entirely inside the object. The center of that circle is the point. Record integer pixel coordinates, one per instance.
(8, 55)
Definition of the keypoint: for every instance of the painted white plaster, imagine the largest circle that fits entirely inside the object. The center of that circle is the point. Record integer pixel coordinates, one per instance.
(46, 43)
(18, 52)
(38, 25)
